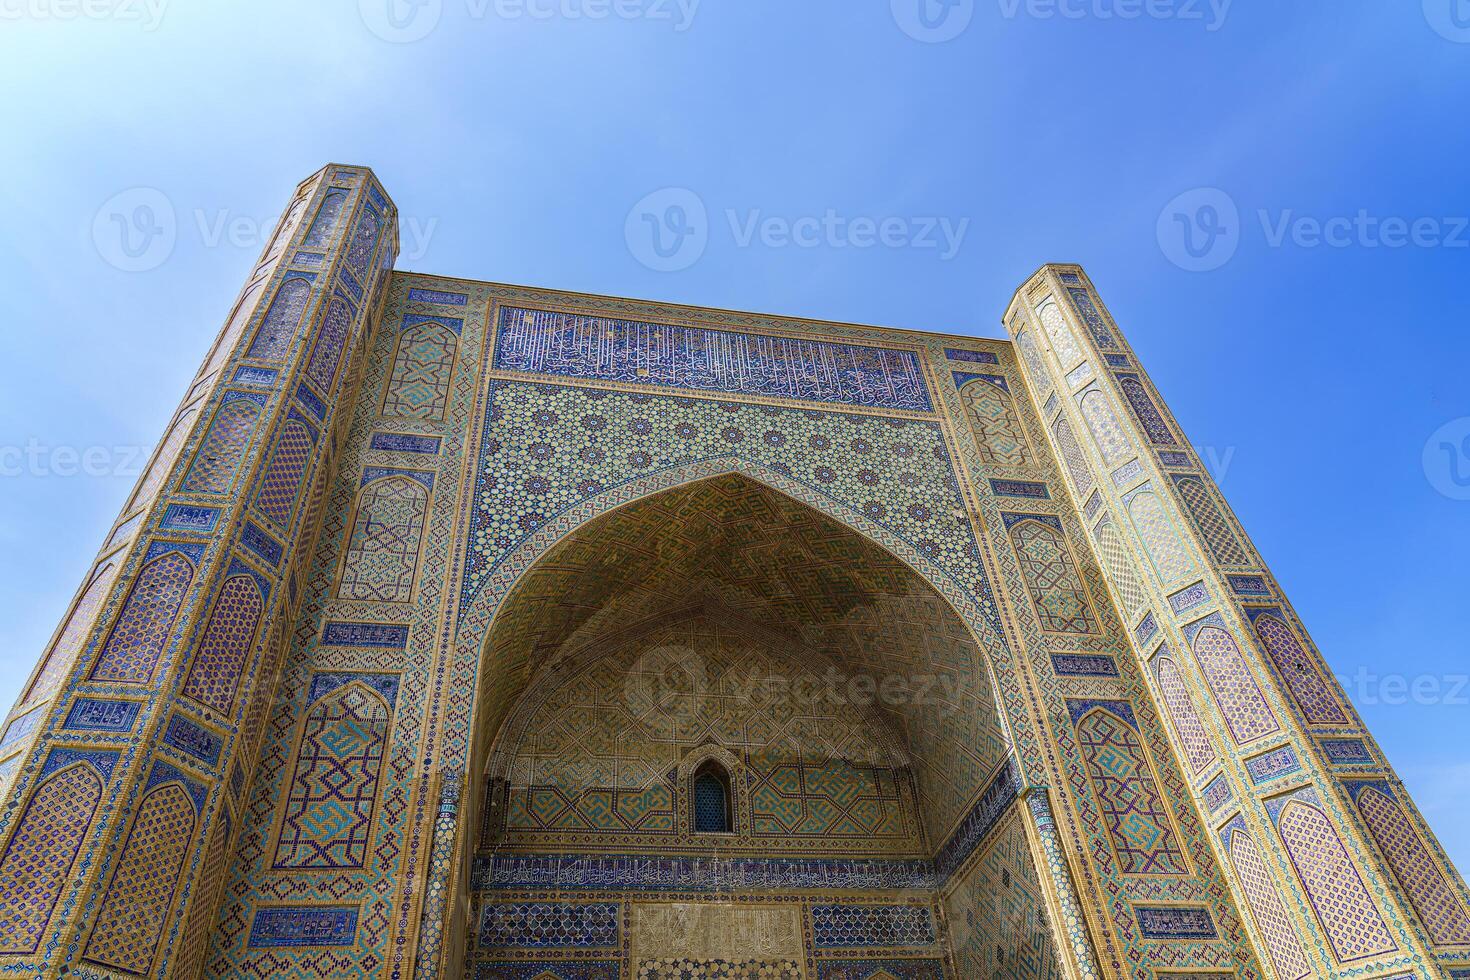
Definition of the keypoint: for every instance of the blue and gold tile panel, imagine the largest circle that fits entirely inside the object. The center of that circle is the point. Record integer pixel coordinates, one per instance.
(702, 359)
(304, 925)
(550, 925)
(872, 926)
(1175, 922)
(98, 715)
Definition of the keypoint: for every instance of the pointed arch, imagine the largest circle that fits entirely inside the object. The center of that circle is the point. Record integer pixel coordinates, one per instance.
(1264, 901)
(1246, 712)
(41, 852)
(382, 553)
(282, 320)
(327, 818)
(218, 458)
(326, 351)
(139, 902)
(1053, 578)
(995, 422)
(280, 485)
(1108, 433)
(163, 459)
(1433, 896)
(229, 636)
(1160, 537)
(1063, 341)
(1312, 693)
(74, 634)
(145, 623)
(1197, 748)
(1340, 900)
(423, 368)
(328, 214)
(712, 797)
(1125, 790)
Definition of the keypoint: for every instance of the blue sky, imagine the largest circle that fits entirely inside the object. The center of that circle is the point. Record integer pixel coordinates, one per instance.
(1322, 372)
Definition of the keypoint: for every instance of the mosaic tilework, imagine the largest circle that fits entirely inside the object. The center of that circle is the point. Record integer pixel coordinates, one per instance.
(1063, 341)
(928, 969)
(218, 458)
(549, 925)
(1150, 419)
(547, 342)
(1197, 747)
(328, 817)
(868, 926)
(687, 969)
(1418, 873)
(95, 715)
(1124, 790)
(1159, 536)
(997, 913)
(1273, 765)
(1246, 712)
(364, 241)
(422, 372)
(1204, 512)
(1175, 922)
(163, 459)
(136, 906)
(144, 626)
(41, 850)
(1057, 592)
(383, 553)
(994, 422)
(1107, 433)
(78, 625)
(1272, 921)
(549, 970)
(282, 319)
(281, 483)
(214, 673)
(324, 224)
(326, 351)
(311, 925)
(1092, 318)
(1072, 456)
(1119, 568)
(1036, 366)
(1303, 676)
(1339, 898)
(20, 726)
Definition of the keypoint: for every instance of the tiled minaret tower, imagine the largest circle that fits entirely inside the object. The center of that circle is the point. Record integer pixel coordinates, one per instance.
(126, 759)
(1336, 869)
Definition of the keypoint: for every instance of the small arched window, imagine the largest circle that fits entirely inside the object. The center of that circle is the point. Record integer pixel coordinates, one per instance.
(712, 799)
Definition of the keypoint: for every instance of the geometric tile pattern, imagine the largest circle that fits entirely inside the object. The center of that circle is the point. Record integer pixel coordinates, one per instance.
(281, 482)
(324, 225)
(1057, 592)
(1035, 365)
(1207, 518)
(383, 552)
(1197, 747)
(1433, 898)
(73, 635)
(1318, 704)
(163, 460)
(321, 370)
(543, 925)
(283, 319)
(1063, 342)
(137, 904)
(1160, 537)
(1341, 901)
(360, 248)
(1125, 792)
(1150, 419)
(686, 969)
(997, 913)
(1246, 712)
(144, 626)
(422, 370)
(881, 970)
(214, 673)
(1072, 456)
(1265, 903)
(220, 453)
(997, 429)
(38, 859)
(1093, 318)
(849, 926)
(1439, 908)
(1119, 568)
(1109, 436)
(328, 814)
